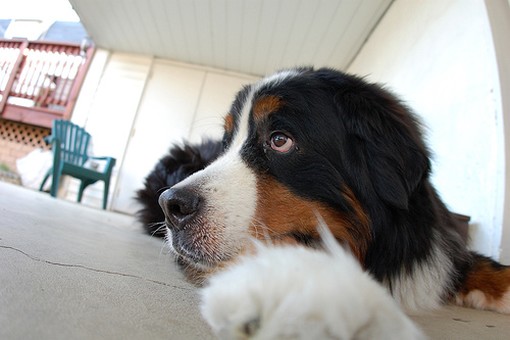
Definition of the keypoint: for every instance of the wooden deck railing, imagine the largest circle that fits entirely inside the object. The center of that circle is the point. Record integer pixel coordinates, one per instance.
(40, 81)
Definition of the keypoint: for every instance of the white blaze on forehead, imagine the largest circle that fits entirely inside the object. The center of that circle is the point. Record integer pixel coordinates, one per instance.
(241, 133)
(278, 77)
(243, 127)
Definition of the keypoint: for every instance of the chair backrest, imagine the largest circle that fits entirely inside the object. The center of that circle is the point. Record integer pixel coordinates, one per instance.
(74, 141)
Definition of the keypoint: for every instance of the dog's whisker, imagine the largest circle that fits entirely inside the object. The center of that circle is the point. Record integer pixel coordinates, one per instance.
(258, 224)
(160, 226)
(155, 223)
(266, 231)
(163, 247)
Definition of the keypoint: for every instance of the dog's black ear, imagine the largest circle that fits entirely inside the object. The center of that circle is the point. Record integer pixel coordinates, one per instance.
(385, 138)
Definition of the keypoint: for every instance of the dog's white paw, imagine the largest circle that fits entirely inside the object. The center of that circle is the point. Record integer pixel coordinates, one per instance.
(293, 292)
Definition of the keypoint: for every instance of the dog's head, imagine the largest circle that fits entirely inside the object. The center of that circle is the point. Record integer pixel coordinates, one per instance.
(298, 144)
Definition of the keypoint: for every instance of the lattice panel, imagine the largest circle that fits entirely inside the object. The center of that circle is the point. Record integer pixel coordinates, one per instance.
(23, 134)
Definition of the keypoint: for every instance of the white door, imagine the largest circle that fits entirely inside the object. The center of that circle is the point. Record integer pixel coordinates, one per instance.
(164, 117)
(218, 92)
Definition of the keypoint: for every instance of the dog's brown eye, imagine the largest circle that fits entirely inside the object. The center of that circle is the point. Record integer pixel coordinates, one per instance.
(281, 142)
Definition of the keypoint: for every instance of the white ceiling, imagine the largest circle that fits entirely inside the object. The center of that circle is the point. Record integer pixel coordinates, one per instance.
(249, 36)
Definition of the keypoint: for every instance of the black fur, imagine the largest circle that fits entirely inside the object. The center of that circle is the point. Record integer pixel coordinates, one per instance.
(179, 163)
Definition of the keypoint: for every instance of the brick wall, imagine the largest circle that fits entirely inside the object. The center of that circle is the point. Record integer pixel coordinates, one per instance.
(17, 140)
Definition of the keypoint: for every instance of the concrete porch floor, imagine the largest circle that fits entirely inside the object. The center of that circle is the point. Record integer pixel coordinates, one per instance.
(72, 272)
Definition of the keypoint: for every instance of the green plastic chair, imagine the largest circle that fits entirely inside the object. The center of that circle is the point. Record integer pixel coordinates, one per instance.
(69, 144)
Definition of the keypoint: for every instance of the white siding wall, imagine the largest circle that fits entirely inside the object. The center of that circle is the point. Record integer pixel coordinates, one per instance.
(218, 93)
(439, 56)
(499, 14)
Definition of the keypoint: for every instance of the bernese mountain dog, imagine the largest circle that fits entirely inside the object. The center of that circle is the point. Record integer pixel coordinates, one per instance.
(307, 142)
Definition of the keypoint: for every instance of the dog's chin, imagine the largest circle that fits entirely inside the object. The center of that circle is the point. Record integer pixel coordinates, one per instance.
(188, 258)
(194, 272)
(196, 264)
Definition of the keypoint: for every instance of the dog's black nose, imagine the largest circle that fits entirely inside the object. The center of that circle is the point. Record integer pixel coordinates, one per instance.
(179, 205)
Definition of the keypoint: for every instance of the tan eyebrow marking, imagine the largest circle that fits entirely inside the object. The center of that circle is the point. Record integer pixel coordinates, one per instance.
(228, 123)
(266, 105)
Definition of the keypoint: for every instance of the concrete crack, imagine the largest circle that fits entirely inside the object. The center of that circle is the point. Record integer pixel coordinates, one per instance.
(80, 266)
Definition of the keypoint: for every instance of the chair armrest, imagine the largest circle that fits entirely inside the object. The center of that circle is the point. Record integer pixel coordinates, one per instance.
(110, 162)
(101, 158)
